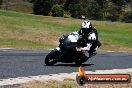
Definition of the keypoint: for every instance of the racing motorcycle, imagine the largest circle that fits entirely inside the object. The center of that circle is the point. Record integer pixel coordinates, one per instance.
(77, 57)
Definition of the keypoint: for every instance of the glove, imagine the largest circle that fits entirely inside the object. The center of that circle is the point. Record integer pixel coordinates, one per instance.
(92, 36)
(87, 48)
(78, 49)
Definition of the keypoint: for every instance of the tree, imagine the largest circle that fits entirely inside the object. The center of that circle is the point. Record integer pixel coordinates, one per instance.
(119, 2)
(127, 17)
(57, 11)
(113, 12)
(42, 7)
(59, 2)
(1, 1)
(103, 4)
(75, 10)
(66, 5)
(94, 10)
(31, 1)
(131, 4)
(73, 6)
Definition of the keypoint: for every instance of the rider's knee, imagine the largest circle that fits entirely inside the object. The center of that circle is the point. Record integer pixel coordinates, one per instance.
(99, 44)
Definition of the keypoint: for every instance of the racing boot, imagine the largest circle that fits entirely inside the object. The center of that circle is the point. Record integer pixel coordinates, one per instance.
(92, 53)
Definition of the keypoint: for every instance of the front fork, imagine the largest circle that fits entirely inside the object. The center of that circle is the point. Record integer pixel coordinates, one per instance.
(58, 48)
(59, 53)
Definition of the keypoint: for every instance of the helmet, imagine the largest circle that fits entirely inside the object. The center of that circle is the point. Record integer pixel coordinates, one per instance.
(86, 25)
(86, 28)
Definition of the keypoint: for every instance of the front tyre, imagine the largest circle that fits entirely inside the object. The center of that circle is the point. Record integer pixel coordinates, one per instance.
(50, 59)
(78, 62)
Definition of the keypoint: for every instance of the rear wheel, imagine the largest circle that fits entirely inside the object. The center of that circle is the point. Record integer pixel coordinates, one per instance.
(51, 58)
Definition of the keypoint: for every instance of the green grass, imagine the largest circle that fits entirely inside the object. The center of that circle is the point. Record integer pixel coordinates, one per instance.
(20, 30)
(116, 33)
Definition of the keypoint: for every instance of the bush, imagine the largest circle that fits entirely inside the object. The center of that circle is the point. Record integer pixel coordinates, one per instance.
(75, 9)
(57, 11)
(42, 7)
(114, 12)
(93, 10)
(127, 17)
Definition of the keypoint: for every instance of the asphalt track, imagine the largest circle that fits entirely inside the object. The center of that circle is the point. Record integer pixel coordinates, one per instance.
(22, 63)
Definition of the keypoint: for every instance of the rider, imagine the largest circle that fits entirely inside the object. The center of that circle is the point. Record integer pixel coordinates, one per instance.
(85, 39)
(89, 35)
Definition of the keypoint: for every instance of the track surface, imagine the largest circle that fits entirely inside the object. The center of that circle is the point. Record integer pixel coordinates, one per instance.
(23, 63)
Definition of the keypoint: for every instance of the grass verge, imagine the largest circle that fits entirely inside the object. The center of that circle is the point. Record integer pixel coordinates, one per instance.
(20, 30)
(72, 84)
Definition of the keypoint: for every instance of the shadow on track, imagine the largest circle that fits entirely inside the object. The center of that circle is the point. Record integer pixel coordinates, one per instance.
(73, 65)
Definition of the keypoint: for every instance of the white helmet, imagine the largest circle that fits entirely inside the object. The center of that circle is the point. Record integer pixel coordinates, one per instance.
(86, 25)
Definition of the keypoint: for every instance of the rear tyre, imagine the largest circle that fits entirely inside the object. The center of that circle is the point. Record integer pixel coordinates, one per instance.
(50, 59)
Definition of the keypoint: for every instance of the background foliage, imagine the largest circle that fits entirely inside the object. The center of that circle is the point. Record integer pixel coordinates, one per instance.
(57, 11)
(114, 10)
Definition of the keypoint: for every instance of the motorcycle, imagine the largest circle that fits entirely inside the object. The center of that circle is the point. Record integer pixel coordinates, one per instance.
(68, 57)
(53, 57)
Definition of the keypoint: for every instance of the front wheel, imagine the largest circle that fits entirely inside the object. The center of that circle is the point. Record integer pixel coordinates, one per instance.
(78, 62)
(50, 59)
